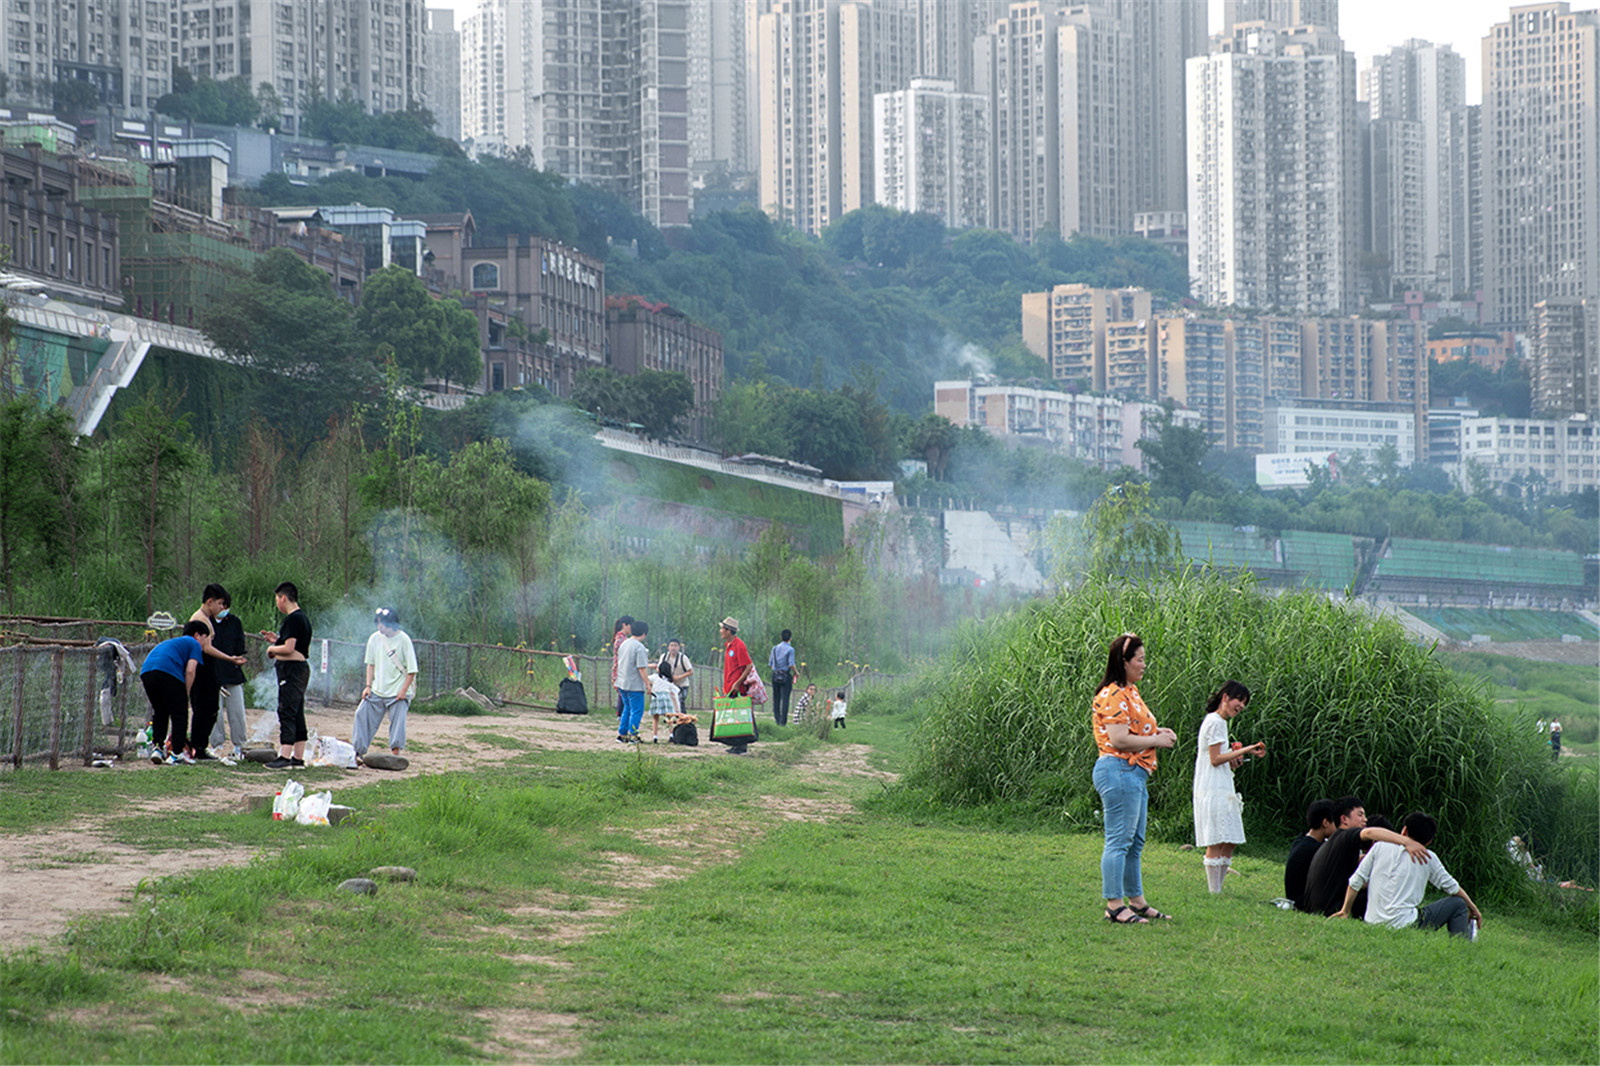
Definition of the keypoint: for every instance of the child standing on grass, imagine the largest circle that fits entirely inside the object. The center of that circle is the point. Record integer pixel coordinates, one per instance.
(839, 710)
(663, 698)
(1218, 809)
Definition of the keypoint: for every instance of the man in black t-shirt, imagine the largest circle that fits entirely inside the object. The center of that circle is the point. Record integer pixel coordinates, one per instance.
(1340, 854)
(288, 653)
(1319, 827)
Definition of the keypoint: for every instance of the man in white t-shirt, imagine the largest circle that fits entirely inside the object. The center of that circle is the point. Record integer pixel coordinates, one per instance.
(391, 679)
(1397, 883)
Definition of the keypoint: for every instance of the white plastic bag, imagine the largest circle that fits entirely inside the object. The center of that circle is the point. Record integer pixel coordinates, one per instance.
(314, 809)
(331, 751)
(287, 803)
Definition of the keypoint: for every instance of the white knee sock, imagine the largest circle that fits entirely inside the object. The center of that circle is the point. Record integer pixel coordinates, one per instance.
(1216, 869)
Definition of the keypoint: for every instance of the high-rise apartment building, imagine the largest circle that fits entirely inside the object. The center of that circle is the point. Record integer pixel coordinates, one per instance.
(305, 50)
(1274, 207)
(1412, 94)
(121, 47)
(1396, 213)
(944, 31)
(1541, 155)
(1281, 14)
(819, 64)
(441, 85)
(1166, 34)
(1099, 139)
(1465, 172)
(1015, 65)
(931, 155)
(1067, 328)
(719, 88)
(595, 90)
(1562, 346)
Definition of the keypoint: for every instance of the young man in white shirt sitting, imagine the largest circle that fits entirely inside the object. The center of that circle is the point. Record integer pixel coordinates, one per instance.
(1395, 885)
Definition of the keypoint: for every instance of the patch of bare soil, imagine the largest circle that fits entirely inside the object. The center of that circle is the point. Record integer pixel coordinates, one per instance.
(48, 878)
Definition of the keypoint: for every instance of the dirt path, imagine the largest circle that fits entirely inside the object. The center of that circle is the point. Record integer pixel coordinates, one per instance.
(48, 878)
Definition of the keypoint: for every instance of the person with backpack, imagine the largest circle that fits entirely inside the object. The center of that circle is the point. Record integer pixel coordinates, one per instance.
(677, 662)
(781, 661)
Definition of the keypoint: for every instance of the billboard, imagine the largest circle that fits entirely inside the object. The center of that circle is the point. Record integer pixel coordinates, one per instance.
(1292, 470)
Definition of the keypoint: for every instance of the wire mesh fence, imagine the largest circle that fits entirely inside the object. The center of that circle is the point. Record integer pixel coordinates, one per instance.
(62, 698)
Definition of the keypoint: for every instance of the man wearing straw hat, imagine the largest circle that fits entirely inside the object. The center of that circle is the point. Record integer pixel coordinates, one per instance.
(736, 671)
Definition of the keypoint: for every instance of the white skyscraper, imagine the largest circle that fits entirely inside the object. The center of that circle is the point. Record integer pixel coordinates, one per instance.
(819, 64)
(1411, 94)
(595, 90)
(441, 92)
(931, 151)
(1274, 210)
(1541, 160)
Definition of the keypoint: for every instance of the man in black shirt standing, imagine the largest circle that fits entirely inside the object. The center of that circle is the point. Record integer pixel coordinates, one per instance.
(1341, 853)
(1319, 827)
(288, 653)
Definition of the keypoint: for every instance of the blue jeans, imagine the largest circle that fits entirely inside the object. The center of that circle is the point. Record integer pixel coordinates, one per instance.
(632, 712)
(1126, 803)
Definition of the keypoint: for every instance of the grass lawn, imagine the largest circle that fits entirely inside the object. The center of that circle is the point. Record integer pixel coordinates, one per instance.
(612, 907)
(1562, 692)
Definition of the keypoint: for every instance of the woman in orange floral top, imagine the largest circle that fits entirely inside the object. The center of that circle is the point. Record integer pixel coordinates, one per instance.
(1128, 736)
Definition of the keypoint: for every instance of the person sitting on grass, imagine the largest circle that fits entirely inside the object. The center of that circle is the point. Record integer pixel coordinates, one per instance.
(1319, 827)
(1395, 883)
(1340, 854)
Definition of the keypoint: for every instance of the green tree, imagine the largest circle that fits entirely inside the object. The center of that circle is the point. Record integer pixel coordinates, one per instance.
(932, 440)
(659, 401)
(152, 454)
(73, 97)
(1119, 537)
(487, 508)
(283, 322)
(1175, 455)
(429, 337)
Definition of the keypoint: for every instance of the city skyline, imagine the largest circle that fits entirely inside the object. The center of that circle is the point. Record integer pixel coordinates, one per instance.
(1369, 27)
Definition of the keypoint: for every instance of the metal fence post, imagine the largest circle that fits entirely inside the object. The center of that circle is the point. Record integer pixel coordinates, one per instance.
(90, 690)
(57, 661)
(16, 717)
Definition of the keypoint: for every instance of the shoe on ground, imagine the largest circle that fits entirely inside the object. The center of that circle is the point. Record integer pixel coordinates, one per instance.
(228, 761)
(203, 756)
(182, 757)
(297, 763)
(158, 757)
(280, 763)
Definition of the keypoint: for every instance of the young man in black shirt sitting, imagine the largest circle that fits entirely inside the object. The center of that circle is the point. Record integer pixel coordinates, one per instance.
(1341, 853)
(1319, 827)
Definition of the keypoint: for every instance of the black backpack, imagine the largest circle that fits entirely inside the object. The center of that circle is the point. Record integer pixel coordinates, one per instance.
(686, 734)
(572, 699)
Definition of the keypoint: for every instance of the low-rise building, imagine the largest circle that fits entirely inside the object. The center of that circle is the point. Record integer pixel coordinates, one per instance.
(1100, 430)
(1528, 455)
(70, 249)
(1349, 427)
(1488, 350)
(642, 335)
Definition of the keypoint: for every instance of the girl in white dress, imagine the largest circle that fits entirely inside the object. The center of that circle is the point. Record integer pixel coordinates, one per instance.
(1218, 809)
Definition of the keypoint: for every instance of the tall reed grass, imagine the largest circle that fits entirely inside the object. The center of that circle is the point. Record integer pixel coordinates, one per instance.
(1345, 702)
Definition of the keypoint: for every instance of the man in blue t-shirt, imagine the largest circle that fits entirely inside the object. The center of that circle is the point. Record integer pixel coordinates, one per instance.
(167, 676)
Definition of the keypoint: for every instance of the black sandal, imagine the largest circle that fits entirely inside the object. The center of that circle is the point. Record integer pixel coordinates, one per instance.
(1124, 915)
(1149, 913)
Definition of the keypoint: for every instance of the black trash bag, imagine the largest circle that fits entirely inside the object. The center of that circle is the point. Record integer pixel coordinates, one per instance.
(572, 699)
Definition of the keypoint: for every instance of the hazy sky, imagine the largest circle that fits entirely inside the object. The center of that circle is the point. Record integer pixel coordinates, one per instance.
(1369, 26)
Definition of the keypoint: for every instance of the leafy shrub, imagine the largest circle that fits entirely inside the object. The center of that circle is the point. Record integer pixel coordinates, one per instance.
(1345, 702)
